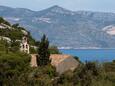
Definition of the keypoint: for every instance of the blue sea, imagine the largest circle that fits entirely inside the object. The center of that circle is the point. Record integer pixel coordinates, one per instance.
(99, 55)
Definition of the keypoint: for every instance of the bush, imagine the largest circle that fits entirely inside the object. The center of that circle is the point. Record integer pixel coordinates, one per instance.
(33, 50)
(54, 50)
(86, 74)
(4, 21)
(12, 66)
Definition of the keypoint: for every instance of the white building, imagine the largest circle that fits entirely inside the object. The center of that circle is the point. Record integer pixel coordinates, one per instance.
(24, 46)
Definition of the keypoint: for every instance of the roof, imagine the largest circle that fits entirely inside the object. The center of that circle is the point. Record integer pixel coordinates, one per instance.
(63, 62)
(57, 58)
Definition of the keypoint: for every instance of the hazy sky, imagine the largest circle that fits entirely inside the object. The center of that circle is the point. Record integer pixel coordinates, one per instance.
(93, 5)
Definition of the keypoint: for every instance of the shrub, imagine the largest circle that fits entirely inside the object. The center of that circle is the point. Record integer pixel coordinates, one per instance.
(54, 50)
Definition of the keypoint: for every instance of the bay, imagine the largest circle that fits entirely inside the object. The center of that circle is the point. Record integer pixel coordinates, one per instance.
(99, 55)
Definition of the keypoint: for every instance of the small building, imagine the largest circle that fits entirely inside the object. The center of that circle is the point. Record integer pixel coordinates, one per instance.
(63, 63)
(24, 46)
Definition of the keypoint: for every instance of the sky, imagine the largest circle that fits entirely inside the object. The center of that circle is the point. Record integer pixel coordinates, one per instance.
(75, 5)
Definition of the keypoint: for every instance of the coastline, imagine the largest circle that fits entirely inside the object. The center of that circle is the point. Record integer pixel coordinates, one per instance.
(70, 48)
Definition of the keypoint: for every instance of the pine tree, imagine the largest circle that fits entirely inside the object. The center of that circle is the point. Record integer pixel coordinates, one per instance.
(43, 52)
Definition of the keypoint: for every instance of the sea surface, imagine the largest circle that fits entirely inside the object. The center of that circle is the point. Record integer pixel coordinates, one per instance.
(99, 55)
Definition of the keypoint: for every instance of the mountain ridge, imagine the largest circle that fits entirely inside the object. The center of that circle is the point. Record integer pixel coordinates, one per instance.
(55, 6)
(65, 28)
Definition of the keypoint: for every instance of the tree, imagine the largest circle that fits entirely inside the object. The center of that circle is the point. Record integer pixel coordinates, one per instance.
(15, 25)
(87, 74)
(4, 21)
(54, 50)
(15, 45)
(43, 52)
(1, 20)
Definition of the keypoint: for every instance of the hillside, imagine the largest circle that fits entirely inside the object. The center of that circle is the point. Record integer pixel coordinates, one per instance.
(13, 32)
(65, 28)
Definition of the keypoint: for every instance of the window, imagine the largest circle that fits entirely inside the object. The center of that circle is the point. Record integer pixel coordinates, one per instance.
(23, 45)
(26, 46)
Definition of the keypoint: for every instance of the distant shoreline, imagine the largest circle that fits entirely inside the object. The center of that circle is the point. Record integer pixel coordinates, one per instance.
(86, 48)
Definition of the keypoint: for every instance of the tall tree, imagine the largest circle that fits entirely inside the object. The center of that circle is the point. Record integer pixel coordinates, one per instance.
(43, 52)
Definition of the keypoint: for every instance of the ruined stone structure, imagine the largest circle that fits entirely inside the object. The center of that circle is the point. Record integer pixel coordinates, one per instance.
(33, 62)
(63, 63)
(24, 46)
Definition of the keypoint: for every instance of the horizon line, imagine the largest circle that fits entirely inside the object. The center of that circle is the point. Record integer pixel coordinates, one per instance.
(57, 6)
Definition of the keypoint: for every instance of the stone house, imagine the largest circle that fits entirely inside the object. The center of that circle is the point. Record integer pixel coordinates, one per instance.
(63, 63)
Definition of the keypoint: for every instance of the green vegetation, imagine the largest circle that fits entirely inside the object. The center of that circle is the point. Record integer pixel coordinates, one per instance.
(15, 70)
(43, 52)
(33, 50)
(4, 22)
(12, 65)
(88, 74)
(15, 67)
(14, 32)
(54, 50)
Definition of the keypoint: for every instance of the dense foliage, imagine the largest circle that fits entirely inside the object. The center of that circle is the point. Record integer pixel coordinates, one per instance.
(11, 64)
(54, 50)
(88, 74)
(43, 52)
(15, 70)
(14, 32)
(3, 21)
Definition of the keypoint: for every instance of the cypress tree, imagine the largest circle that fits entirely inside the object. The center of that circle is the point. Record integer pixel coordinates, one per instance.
(43, 52)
